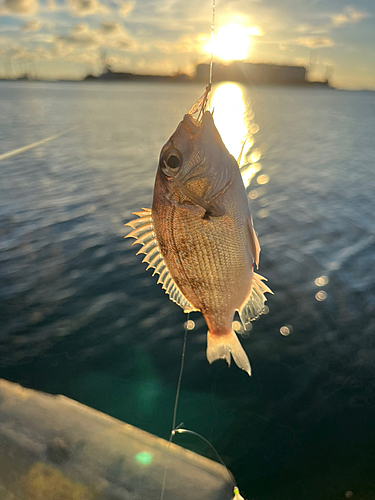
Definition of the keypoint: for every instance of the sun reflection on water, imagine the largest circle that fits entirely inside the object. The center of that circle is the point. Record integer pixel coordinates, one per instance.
(248, 172)
(229, 108)
(233, 119)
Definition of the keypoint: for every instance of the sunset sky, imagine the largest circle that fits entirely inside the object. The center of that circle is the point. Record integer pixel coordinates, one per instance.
(66, 38)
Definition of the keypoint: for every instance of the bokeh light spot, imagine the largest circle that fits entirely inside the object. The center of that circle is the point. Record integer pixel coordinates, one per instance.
(253, 195)
(321, 281)
(248, 171)
(322, 295)
(255, 156)
(189, 325)
(263, 179)
(143, 458)
(237, 327)
(263, 213)
(254, 128)
(286, 330)
(249, 144)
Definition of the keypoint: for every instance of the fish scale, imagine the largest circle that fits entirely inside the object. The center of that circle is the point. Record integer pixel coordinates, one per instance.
(213, 261)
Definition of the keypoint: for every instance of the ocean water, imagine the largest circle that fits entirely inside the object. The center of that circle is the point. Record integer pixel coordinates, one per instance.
(80, 316)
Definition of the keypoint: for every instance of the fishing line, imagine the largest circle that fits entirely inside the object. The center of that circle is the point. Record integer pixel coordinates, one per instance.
(179, 380)
(180, 430)
(212, 42)
(202, 102)
(174, 419)
(212, 407)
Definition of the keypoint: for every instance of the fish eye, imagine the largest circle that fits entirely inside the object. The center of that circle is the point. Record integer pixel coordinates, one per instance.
(173, 159)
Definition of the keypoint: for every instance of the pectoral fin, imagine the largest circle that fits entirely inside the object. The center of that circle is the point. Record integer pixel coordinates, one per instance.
(145, 236)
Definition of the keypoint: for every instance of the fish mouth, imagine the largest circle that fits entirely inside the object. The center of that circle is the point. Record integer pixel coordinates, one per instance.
(204, 128)
(195, 125)
(207, 120)
(198, 116)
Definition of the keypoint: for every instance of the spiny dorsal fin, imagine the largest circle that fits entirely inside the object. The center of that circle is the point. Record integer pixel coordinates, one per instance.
(254, 243)
(253, 306)
(144, 235)
(241, 153)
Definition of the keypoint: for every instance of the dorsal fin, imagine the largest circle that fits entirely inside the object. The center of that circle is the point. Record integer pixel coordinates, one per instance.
(241, 152)
(144, 235)
(253, 306)
(254, 243)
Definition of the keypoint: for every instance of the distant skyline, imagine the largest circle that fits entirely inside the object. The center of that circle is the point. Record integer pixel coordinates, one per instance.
(69, 38)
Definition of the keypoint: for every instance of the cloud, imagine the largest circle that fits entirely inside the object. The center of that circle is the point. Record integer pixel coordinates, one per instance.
(173, 16)
(109, 35)
(20, 7)
(126, 7)
(71, 54)
(315, 42)
(32, 25)
(113, 35)
(185, 44)
(348, 16)
(53, 6)
(79, 36)
(193, 44)
(17, 52)
(313, 30)
(82, 8)
(110, 28)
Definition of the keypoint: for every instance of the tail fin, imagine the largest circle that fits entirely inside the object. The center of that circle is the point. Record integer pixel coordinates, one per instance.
(223, 346)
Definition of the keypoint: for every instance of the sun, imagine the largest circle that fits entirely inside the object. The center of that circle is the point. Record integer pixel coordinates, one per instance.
(231, 43)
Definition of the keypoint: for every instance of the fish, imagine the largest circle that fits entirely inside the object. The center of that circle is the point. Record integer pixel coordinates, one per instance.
(199, 235)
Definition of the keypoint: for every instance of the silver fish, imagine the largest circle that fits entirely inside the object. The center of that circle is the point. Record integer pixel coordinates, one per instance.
(199, 236)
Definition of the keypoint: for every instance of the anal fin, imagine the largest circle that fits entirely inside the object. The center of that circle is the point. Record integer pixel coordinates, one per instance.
(144, 235)
(253, 306)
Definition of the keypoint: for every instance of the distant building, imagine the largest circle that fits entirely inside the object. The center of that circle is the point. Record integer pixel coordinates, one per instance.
(238, 71)
(243, 72)
(114, 76)
(117, 76)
